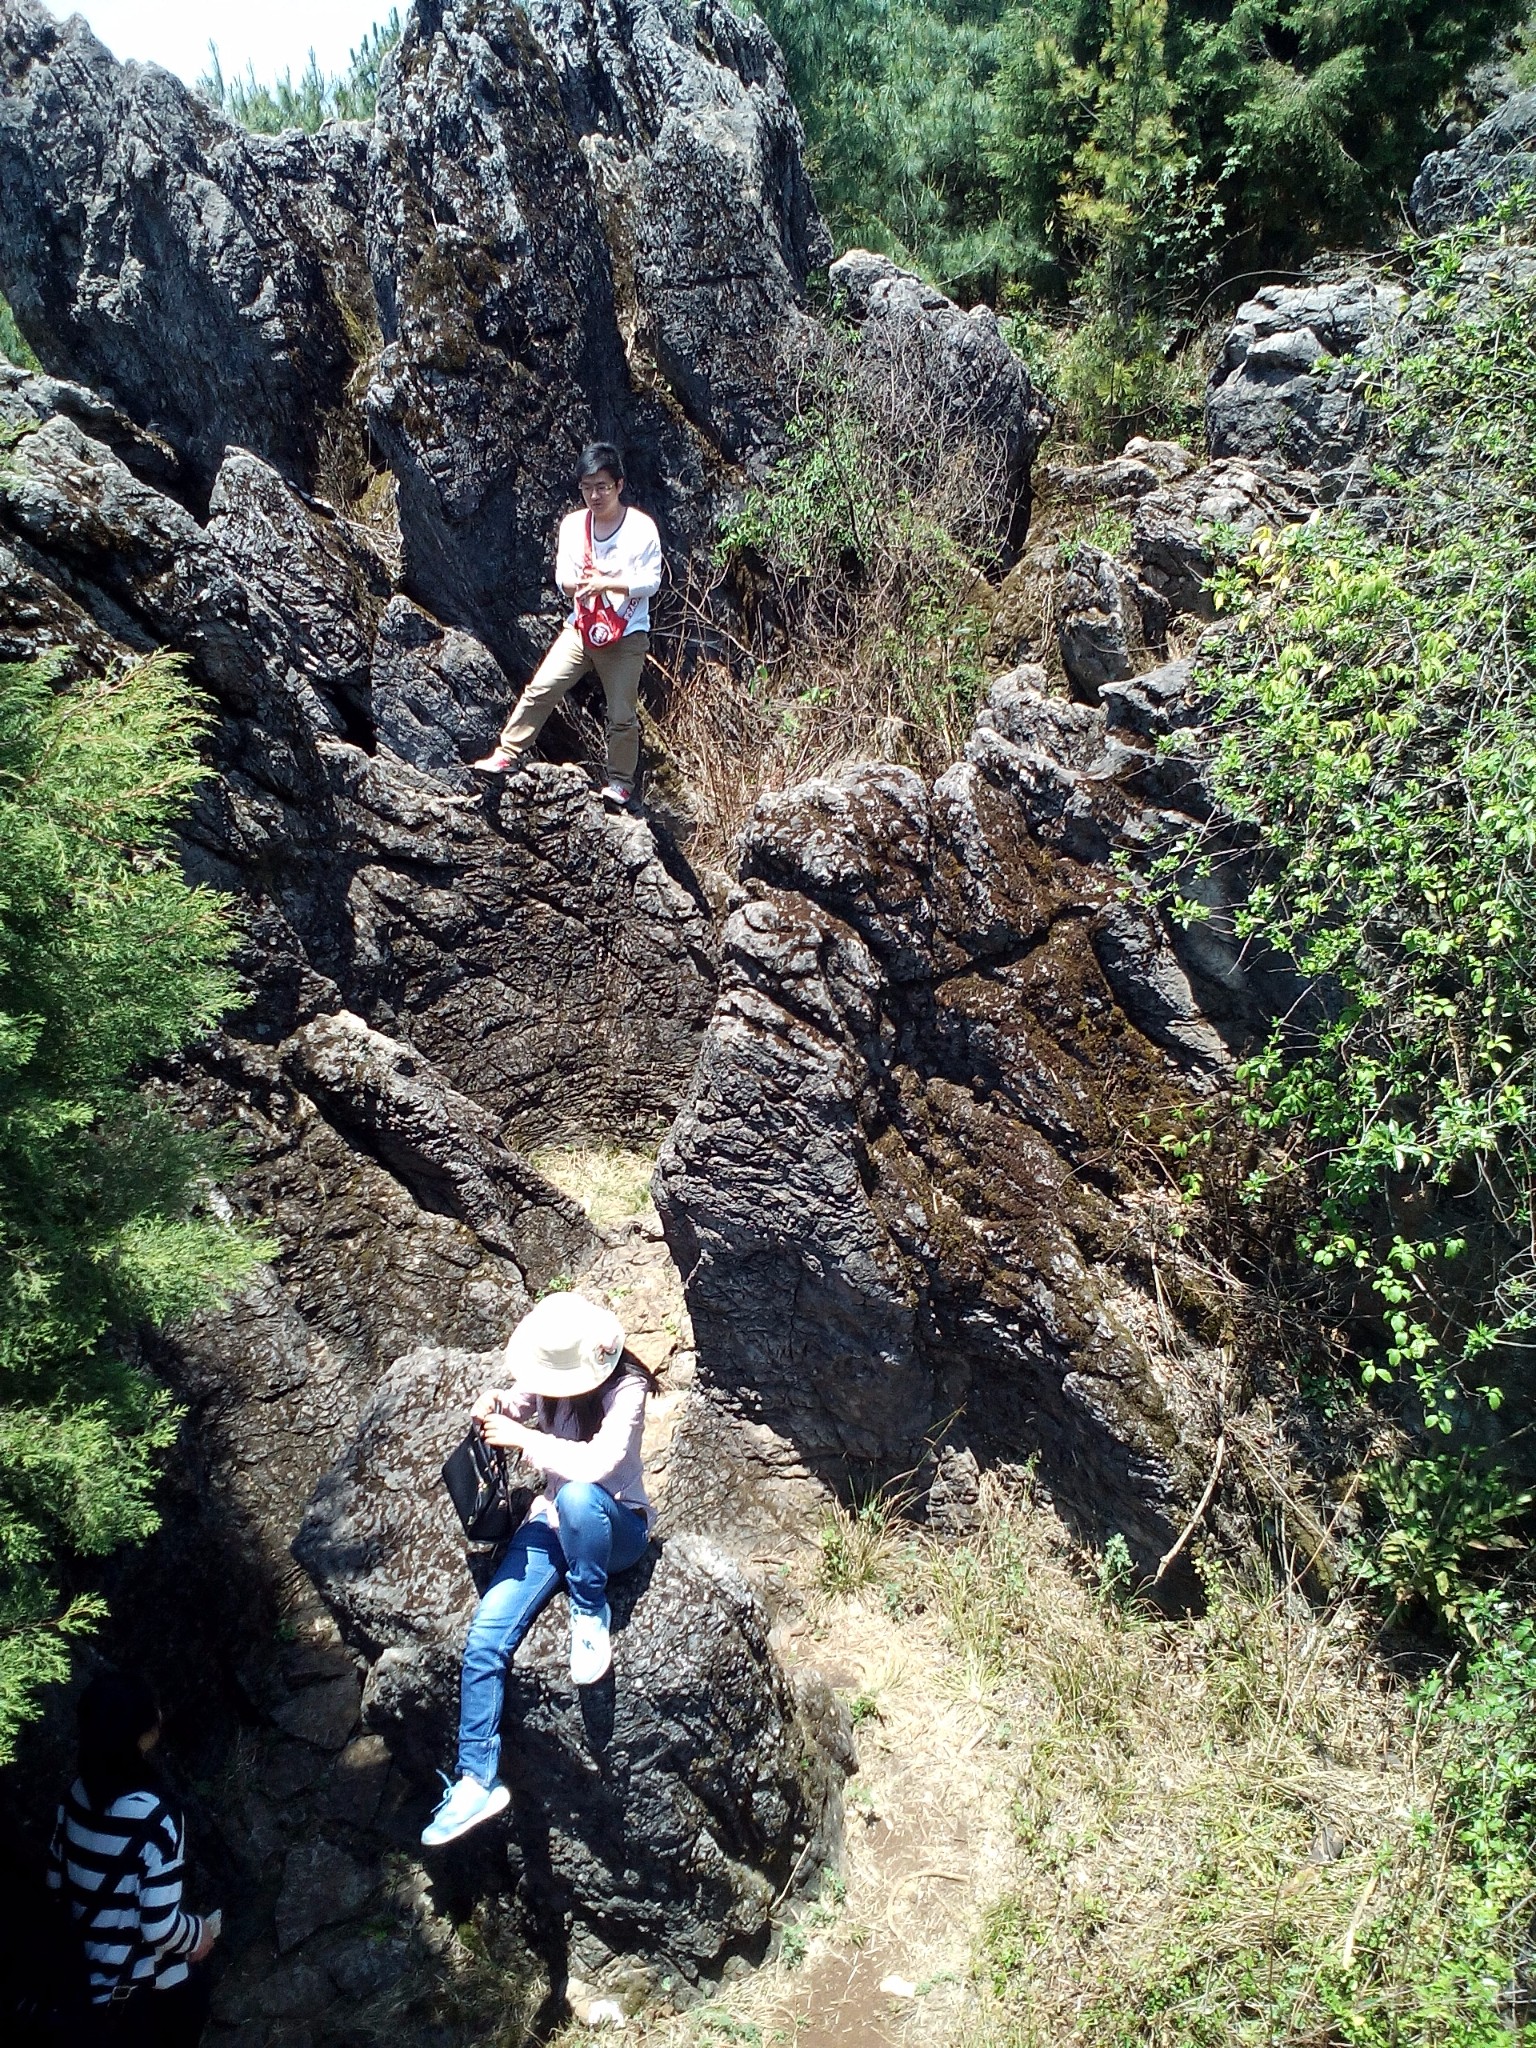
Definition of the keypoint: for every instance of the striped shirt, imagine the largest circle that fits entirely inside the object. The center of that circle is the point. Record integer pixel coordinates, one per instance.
(121, 1873)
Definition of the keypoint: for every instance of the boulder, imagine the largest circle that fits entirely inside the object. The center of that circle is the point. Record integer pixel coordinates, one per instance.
(1284, 386)
(659, 1814)
(948, 376)
(901, 1197)
(1457, 186)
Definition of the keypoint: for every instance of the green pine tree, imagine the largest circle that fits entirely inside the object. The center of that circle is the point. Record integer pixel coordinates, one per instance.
(108, 959)
(269, 109)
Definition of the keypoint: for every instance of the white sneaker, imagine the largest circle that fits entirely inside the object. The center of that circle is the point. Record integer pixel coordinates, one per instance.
(618, 796)
(462, 1807)
(497, 762)
(591, 1649)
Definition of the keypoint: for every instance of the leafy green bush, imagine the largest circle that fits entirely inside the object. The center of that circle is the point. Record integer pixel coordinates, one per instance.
(107, 959)
(269, 109)
(848, 586)
(13, 343)
(1374, 696)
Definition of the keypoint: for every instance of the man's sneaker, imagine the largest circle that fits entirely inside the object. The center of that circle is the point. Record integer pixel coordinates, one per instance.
(462, 1807)
(497, 762)
(618, 796)
(591, 1651)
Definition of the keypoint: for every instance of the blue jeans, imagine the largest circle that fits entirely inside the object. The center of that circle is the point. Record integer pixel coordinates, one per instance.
(598, 1535)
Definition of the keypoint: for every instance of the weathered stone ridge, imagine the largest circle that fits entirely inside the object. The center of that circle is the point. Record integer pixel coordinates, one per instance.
(897, 1196)
(313, 412)
(422, 315)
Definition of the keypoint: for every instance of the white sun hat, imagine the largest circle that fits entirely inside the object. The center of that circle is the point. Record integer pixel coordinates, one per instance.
(565, 1345)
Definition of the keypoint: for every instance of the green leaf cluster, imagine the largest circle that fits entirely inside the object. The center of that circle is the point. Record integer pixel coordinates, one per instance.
(108, 959)
(1374, 694)
(269, 109)
(994, 142)
(14, 347)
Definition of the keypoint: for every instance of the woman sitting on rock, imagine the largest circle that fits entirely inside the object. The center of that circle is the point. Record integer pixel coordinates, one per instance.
(575, 1409)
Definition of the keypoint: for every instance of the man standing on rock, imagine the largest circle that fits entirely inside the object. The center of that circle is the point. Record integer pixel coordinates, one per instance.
(608, 563)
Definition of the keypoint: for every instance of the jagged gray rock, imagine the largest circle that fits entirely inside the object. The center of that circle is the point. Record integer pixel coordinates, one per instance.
(1171, 525)
(657, 1815)
(316, 587)
(501, 347)
(478, 929)
(439, 290)
(1109, 623)
(438, 697)
(210, 283)
(695, 150)
(1460, 185)
(891, 1196)
(1283, 388)
(953, 377)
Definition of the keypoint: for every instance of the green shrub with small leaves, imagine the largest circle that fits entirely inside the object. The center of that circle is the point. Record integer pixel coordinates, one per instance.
(1374, 701)
(14, 347)
(108, 959)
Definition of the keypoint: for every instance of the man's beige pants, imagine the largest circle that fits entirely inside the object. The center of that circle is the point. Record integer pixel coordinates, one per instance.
(618, 669)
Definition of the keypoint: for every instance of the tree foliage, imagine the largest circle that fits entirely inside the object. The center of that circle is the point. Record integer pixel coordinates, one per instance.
(998, 144)
(108, 959)
(269, 109)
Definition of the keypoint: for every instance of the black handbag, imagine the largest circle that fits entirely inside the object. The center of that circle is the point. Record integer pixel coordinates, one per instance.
(488, 1505)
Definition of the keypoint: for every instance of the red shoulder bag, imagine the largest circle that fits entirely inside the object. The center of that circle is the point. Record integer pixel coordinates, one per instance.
(596, 619)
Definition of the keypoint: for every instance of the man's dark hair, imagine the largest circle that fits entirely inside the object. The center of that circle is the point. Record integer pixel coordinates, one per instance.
(600, 455)
(116, 1709)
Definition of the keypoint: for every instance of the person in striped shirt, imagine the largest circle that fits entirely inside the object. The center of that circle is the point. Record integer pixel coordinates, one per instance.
(116, 1860)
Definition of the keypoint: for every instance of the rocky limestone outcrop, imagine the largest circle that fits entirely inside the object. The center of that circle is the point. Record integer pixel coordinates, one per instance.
(901, 1196)
(1460, 185)
(211, 283)
(585, 220)
(308, 419)
(694, 146)
(657, 1815)
(1284, 387)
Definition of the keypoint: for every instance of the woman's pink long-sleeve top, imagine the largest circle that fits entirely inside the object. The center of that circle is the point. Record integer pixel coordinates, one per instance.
(610, 1459)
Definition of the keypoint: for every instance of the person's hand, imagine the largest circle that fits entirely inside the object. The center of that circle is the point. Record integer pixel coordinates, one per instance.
(504, 1433)
(486, 1405)
(212, 1924)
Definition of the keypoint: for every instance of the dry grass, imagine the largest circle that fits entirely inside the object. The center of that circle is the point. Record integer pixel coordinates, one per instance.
(1079, 1822)
(610, 1182)
(846, 616)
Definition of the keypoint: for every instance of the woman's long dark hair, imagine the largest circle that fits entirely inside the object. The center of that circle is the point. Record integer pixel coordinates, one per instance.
(588, 1408)
(116, 1710)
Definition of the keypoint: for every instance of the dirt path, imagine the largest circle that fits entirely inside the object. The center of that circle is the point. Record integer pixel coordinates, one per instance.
(882, 1957)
